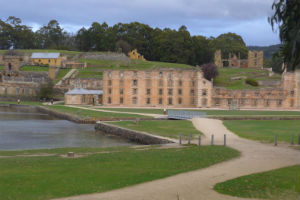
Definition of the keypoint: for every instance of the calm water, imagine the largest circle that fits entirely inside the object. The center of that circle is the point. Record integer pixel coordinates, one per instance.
(27, 129)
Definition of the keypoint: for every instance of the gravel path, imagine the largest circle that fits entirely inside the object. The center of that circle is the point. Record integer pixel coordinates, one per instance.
(198, 185)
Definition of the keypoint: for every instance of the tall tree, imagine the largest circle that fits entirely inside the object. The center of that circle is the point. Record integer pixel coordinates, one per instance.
(51, 36)
(230, 43)
(287, 17)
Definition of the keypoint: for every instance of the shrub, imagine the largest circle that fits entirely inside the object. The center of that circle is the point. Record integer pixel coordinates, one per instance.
(210, 71)
(252, 82)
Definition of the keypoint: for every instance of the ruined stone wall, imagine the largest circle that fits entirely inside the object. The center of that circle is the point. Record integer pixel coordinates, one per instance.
(256, 59)
(86, 83)
(103, 56)
(285, 96)
(218, 59)
(291, 84)
(19, 90)
(156, 88)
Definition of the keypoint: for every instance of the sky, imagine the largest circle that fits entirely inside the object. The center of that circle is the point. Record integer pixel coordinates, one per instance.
(248, 18)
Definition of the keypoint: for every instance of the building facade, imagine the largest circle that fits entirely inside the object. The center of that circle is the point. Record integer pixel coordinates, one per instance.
(156, 88)
(79, 96)
(175, 88)
(50, 59)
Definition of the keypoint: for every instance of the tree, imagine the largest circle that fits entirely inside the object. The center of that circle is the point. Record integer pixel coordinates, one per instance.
(123, 46)
(230, 43)
(51, 36)
(287, 17)
(210, 71)
(46, 90)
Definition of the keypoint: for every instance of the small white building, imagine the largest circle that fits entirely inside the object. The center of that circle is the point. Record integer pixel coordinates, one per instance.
(80, 96)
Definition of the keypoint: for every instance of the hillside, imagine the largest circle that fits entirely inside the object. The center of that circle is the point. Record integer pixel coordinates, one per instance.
(268, 50)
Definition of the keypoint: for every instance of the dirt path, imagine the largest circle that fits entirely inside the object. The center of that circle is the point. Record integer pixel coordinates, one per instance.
(198, 185)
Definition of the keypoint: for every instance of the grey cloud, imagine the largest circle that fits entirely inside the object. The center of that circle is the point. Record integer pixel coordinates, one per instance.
(214, 15)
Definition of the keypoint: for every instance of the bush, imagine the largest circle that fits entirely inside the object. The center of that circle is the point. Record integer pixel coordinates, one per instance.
(252, 82)
(210, 71)
(46, 90)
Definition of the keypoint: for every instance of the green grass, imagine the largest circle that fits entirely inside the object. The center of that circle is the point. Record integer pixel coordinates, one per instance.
(264, 130)
(131, 65)
(34, 69)
(223, 80)
(165, 128)
(95, 67)
(42, 178)
(219, 113)
(136, 110)
(30, 103)
(277, 184)
(1, 67)
(62, 72)
(89, 114)
(90, 72)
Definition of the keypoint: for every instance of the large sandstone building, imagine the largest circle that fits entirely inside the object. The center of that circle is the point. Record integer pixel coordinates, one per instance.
(187, 88)
(156, 88)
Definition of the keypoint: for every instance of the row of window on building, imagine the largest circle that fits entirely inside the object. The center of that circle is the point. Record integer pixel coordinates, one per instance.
(252, 102)
(148, 101)
(160, 91)
(257, 93)
(170, 83)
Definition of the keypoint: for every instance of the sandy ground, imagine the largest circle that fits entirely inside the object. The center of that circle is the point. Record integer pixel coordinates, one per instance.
(198, 185)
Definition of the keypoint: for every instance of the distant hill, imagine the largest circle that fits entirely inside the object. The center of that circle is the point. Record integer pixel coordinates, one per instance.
(268, 50)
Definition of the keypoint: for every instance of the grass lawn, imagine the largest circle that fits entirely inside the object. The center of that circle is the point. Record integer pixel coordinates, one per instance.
(136, 110)
(166, 128)
(276, 184)
(61, 74)
(30, 103)
(1, 67)
(214, 112)
(265, 130)
(34, 68)
(36, 178)
(88, 114)
(90, 72)
(223, 80)
(131, 65)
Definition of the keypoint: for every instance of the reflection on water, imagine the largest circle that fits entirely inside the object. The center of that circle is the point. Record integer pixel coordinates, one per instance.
(28, 129)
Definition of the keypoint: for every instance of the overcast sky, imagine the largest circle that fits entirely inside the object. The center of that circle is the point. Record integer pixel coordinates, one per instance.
(248, 18)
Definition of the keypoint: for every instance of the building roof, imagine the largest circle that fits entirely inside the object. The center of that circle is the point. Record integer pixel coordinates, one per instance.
(84, 91)
(45, 55)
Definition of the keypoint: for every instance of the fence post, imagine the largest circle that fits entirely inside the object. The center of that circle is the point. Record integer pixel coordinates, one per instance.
(189, 139)
(199, 140)
(212, 139)
(180, 139)
(275, 140)
(292, 139)
(224, 139)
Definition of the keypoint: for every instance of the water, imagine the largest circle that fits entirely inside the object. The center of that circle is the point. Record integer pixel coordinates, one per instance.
(22, 129)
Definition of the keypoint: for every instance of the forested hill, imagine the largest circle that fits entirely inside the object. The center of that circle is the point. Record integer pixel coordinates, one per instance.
(155, 44)
(268, 50)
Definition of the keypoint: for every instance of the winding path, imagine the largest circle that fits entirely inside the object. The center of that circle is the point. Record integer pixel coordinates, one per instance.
(198, 185)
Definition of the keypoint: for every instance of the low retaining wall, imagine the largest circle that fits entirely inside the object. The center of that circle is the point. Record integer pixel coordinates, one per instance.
(64, 116)
(135, 136)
